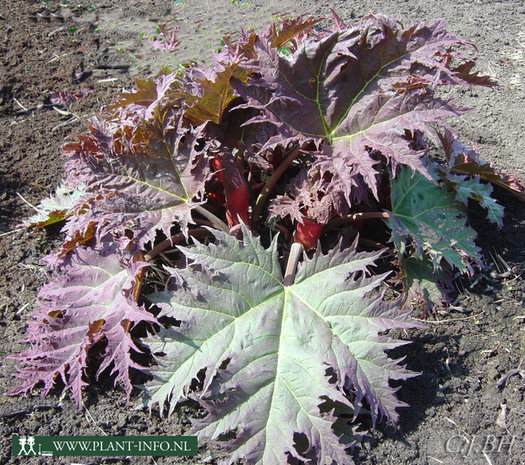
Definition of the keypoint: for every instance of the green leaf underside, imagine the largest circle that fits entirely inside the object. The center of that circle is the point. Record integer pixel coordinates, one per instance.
(285, 372)
(425, 286)
(279, 342)
(425, 214)
(471, 188)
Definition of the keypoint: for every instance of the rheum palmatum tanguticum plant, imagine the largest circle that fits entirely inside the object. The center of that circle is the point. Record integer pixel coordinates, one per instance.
(295, 178)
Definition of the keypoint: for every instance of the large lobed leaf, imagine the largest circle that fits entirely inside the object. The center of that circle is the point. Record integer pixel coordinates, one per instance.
(93, 300)
(273, 353)
(306, 193)
(279, 364)
(142, 167)
(363, 90)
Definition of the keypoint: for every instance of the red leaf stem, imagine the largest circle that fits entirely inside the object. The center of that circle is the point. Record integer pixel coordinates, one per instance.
(272, 180)
(173, 240)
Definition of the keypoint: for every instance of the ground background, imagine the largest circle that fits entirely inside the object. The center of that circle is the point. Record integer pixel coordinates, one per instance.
(97, 45)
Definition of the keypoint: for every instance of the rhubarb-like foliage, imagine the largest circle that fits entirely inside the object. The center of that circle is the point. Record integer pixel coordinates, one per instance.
(92, 301)
(145, 171)
(273, 352)
(294, 140)
(363, 90)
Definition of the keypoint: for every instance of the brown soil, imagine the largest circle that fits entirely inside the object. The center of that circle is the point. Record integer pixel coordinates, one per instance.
(467, 404)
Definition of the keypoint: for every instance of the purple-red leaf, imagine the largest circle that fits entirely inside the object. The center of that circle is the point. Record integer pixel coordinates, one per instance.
(93, 299)
(464, 160)
(166, 39)
(326, 118)
(362, 89)
(64, 98)
(308, 195)
(142, 175)
(279, 34)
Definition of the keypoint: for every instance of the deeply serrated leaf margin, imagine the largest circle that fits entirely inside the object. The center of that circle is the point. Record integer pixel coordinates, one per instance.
(208, 300)
(92, 299)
